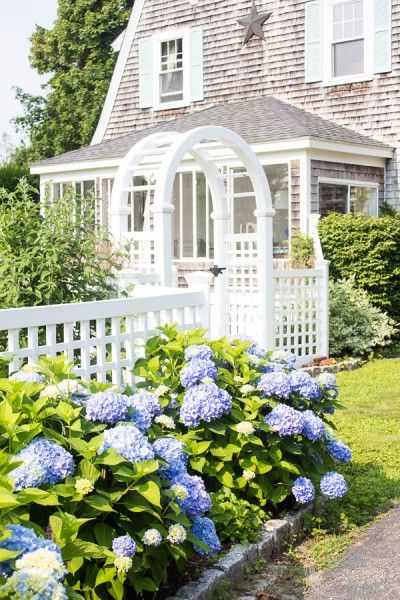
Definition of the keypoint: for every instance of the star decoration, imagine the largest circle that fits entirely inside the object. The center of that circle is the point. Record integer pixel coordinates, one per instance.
(253, 23)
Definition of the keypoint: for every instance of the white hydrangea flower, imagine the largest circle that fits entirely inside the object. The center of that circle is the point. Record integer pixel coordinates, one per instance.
(70, 386)
(247, 389)
(248, 475)
(207, 380)
(160, 391)
(84, 486)
(176, 534)
(245, 428)
(238, 379)
(326, 379)
(31, 368)
(152, 537)
(51, 392)
(180, 492)
(123, 563)
(43, 561)
(165, 421)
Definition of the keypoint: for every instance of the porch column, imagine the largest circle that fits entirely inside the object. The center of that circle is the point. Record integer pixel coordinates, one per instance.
(265, 277)
(305, 191)
(163, 243)
(221, 283)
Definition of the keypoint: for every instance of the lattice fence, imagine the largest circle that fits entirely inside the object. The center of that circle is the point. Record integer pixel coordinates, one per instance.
(103, 338)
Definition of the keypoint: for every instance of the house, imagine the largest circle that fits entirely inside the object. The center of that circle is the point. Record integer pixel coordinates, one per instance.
(312, 86)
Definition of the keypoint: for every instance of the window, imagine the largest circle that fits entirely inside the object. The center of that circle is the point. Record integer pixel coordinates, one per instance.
(171, 71)
(348, 198)
(278, 180)
(347, 38)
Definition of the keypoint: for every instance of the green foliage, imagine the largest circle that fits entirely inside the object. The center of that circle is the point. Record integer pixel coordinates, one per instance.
(10, 174)
(55, 257)
(369, 249)
(236, 519)
(301, 250)
(355, 325)
(77, 57)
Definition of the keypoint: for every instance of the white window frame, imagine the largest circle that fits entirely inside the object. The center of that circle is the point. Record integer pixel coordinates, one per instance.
(327, 36)
(352, 183)
(158, 39)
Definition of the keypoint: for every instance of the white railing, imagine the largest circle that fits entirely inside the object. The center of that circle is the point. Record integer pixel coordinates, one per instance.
(104, 338)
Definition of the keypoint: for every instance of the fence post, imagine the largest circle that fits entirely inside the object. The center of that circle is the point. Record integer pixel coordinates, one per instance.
(201, 281)
(321, 263)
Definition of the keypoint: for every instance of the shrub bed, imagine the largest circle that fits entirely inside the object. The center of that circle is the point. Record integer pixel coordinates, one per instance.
(102, 490)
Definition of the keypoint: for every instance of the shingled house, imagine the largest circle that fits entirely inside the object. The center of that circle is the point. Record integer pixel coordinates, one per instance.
(312, 86)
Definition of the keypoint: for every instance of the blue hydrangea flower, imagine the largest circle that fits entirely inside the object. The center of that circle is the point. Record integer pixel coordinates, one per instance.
(328, 382)
(199, 352)
(270, 367)
(124, 545)
(107, 407)
(149, 400)
(198, 500)
(285, 420)
(276, 383)
(28, 377)
(205, 402)
(313, 427)
(287, 359)
(329, 410)
(303, 490)
(302, 383)
(333, 485)
(23, 540)
(171, 450)
(44, 462)
(339, 451)
(256, 350)
(203, 529)
(138, 414)
(129, 442)
(196, 370)
(35, 586)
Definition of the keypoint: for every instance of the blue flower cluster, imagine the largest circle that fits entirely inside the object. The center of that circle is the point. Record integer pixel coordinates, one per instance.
(196, 370)
(198, 500)
(107, 407)
(124, 545)
(148, 400)
(23, 540)
(203, 529)
(275, 383)
(205, 402)
(313, 427)
(24, 585)
(129, 442)
(303, 490)
(285, 420)
(44, 462)
(27, 377)
(199, 352)
(339, 451)
(328, 383)
(302, 383)
(138, 414)
(171, 450)
(287, 359)
(333, 485)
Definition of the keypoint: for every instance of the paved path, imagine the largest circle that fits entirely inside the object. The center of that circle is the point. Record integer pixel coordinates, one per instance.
(370, 570)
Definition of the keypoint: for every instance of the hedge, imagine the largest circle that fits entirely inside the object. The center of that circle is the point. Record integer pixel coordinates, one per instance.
(367, 248)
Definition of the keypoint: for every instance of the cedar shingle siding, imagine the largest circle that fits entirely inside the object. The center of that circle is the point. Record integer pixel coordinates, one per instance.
(233, 72)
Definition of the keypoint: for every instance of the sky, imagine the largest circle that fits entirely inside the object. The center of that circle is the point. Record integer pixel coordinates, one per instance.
(17, 22)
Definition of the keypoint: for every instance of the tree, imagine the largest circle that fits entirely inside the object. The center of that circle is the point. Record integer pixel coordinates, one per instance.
(77, 55)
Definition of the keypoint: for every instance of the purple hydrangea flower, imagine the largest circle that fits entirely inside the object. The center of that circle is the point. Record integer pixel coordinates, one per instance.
(313, 427)
(333, 485)
(124, 545)
(205, 402)
(138, 414)
(198, 500)
(276, 383)
(197, 370)
(107, 407)
(303, 490)
(27, 376)
(339, 451)
(147, 399)
(285, 420)
(23, 540)
(203, 529)
(171, 450)
(44, 462)
(302, 383)
(129, 442)
(199, 352)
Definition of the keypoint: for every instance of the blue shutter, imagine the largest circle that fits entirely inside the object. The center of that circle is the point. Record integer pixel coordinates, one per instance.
(383, 36)
(196, 65)
(313, 41)
(146, 72)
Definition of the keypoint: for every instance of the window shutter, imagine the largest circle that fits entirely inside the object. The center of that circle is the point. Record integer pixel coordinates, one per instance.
(313, 41)
(196, 65)
(383, 36)
(146, 72)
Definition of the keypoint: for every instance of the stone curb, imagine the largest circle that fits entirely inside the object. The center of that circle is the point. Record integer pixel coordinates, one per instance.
(230, 569)
(344, 365)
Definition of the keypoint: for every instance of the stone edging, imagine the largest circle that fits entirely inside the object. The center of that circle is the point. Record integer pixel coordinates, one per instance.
(230, 569)
(344, 365)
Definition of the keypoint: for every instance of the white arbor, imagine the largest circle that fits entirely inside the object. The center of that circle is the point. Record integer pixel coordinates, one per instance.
(247, 282)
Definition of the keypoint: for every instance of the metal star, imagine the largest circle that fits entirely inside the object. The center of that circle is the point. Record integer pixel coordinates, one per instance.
(253, 23)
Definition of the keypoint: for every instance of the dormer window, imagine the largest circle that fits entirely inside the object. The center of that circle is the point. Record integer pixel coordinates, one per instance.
(347, 39)
(171, 71)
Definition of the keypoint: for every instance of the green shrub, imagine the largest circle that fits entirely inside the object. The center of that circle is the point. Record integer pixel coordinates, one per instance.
(367, 248)
(51, 258)
(235, 518)
(10, 174)
(301, 250)
(355, 325)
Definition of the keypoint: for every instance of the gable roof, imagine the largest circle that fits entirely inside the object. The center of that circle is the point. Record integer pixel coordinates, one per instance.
(260, 120)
